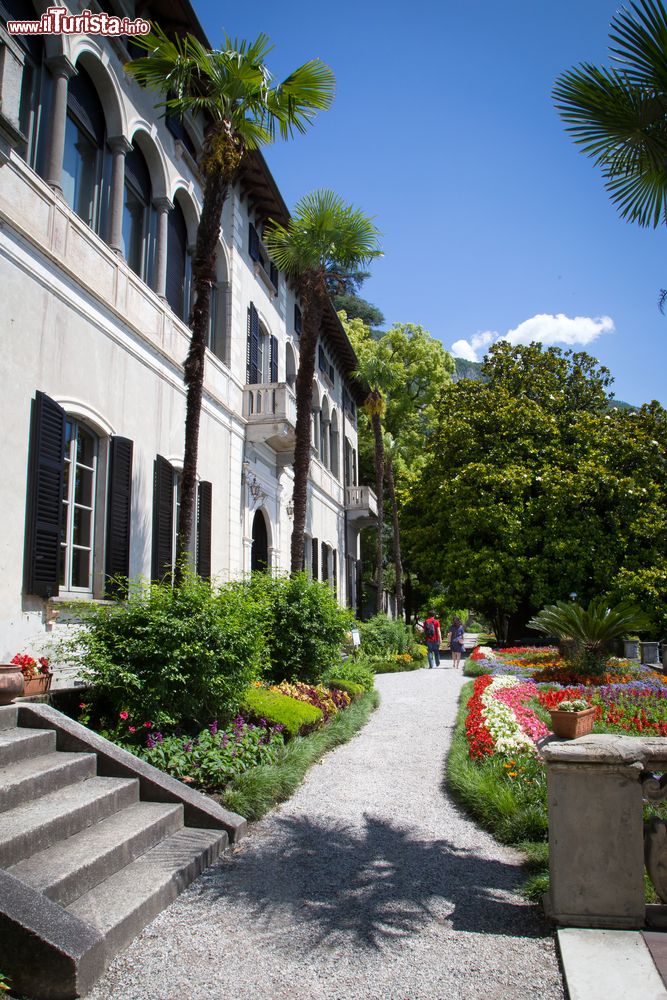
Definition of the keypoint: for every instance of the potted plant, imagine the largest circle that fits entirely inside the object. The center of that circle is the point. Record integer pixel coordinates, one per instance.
(11, 683)
(572, 719)
(631, 647)
(36, 674)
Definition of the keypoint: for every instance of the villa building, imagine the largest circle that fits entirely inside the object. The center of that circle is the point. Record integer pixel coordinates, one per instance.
(99, 202)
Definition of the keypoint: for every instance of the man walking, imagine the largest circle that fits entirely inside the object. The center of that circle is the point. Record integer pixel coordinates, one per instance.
(431, 632)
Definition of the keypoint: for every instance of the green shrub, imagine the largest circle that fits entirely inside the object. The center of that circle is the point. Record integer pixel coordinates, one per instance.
(420, 652)
(381, 635)
(356, 670)
(297, 717)
(301, 622)
(174, 657)
(355, 690)
(393, 664)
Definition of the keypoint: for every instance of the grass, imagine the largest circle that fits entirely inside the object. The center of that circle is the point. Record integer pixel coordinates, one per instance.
(257, 790)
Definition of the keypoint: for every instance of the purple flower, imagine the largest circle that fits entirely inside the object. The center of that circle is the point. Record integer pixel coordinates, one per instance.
(150, 742)
(187, 747)
(213, 727)
(159, 737)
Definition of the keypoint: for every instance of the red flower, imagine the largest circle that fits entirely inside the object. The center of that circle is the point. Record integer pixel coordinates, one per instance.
(124, 715)
(148, 725)
(131, 729)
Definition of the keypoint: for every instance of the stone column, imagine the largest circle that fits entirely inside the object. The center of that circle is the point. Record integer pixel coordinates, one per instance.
(596, 835)
(120, 147)
(163, 206)
(62, 69)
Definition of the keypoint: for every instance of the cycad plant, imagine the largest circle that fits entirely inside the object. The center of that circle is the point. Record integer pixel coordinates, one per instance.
(324, 237)
(243, 109)
(590, 628)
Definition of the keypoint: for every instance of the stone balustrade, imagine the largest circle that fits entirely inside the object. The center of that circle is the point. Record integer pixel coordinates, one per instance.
(599, 845)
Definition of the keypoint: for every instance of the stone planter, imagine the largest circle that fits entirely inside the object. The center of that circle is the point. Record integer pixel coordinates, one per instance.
(37, 684)
(11, 683)
(570, 725)
(631, 649)
(650, 652)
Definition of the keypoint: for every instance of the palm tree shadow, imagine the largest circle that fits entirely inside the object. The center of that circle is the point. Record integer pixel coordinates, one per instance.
(368, 887)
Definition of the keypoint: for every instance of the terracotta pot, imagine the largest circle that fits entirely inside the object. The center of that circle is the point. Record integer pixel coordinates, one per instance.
(37, 684)
(570, 725)
(11, 683)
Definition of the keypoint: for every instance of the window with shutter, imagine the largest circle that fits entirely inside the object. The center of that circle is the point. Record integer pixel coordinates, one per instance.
(178, 263)
(204, 510)
(314, 561)
(273, 361)
(253, 373)
(253, 244)
(273, 275)
(298, 321)
(163, 519)
(334, 568)
(119, 511)
(322, 360)
(325, 562)
(45, 494)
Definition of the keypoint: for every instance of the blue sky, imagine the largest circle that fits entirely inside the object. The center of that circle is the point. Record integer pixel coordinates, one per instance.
(444, 130)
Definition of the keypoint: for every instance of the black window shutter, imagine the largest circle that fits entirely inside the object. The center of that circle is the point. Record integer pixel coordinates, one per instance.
(322, 360)
(119, 511)
(253, 245)
(273, 377)
(315, 568)
(163, 517)
(332, 374)
(325, 562)
(44, 507)
(297, 320)
(252, 352)
(177, 246)
(334, 566)
(273, 274)
(204, 507)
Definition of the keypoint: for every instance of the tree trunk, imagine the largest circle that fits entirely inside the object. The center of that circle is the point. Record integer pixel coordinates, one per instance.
(389, 468)
(313, 297)
(203, 278)
(379, 486)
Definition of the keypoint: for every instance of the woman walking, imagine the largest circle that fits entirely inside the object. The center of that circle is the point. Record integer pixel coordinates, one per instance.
(456, 641)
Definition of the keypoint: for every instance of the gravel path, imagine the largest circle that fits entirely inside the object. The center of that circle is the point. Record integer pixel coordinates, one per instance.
(369, 883)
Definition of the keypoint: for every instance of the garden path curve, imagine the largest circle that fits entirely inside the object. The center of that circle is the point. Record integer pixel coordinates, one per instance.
(369, 883)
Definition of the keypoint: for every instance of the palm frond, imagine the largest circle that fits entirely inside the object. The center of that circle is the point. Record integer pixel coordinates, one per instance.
(639, 41)
(324, 232)
(592, 626)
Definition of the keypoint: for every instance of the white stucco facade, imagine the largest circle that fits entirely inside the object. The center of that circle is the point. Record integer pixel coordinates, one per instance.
(82, 328)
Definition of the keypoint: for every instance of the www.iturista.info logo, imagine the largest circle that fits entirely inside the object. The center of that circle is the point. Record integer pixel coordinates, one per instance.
(59, 21)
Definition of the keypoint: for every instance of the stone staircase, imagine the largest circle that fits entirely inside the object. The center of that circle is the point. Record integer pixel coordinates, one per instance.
(94, 843)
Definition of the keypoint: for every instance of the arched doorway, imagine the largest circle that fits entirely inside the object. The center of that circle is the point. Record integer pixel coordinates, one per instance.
(259, 559)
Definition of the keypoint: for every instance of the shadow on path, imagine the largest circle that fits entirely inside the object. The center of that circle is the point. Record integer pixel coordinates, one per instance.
(367, 887)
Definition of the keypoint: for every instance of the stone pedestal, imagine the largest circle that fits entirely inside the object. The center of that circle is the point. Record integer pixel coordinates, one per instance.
(596, 839)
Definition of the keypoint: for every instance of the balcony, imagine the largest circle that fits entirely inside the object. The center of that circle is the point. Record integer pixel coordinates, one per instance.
(361, 505)
(270, 412)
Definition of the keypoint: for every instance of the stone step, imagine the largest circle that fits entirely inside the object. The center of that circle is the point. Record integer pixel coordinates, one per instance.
(9, 715)
(70, 868)
(37, 776)
(36, 825)
(122, 905)
(17, 744)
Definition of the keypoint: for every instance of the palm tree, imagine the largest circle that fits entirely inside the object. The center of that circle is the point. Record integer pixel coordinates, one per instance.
(244, 110)
(591, 628)
(324, 236)
(619, 115)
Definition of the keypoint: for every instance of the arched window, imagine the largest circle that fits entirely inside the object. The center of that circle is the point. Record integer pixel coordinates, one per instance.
(36, 86)
(316, 419)
(325, 425)
(290, 366)
(86, 160)
(259, 560)
(78, 518)
(139, 216)
(179, 264)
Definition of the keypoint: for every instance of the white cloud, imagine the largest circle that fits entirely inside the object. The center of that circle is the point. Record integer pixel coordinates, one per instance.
(468, 349)
(545, 328)
(560, 329)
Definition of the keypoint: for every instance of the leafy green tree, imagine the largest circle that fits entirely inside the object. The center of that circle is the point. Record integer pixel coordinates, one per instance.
(324, 237)
(617, 115)
(536, 489)
(243, 110)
